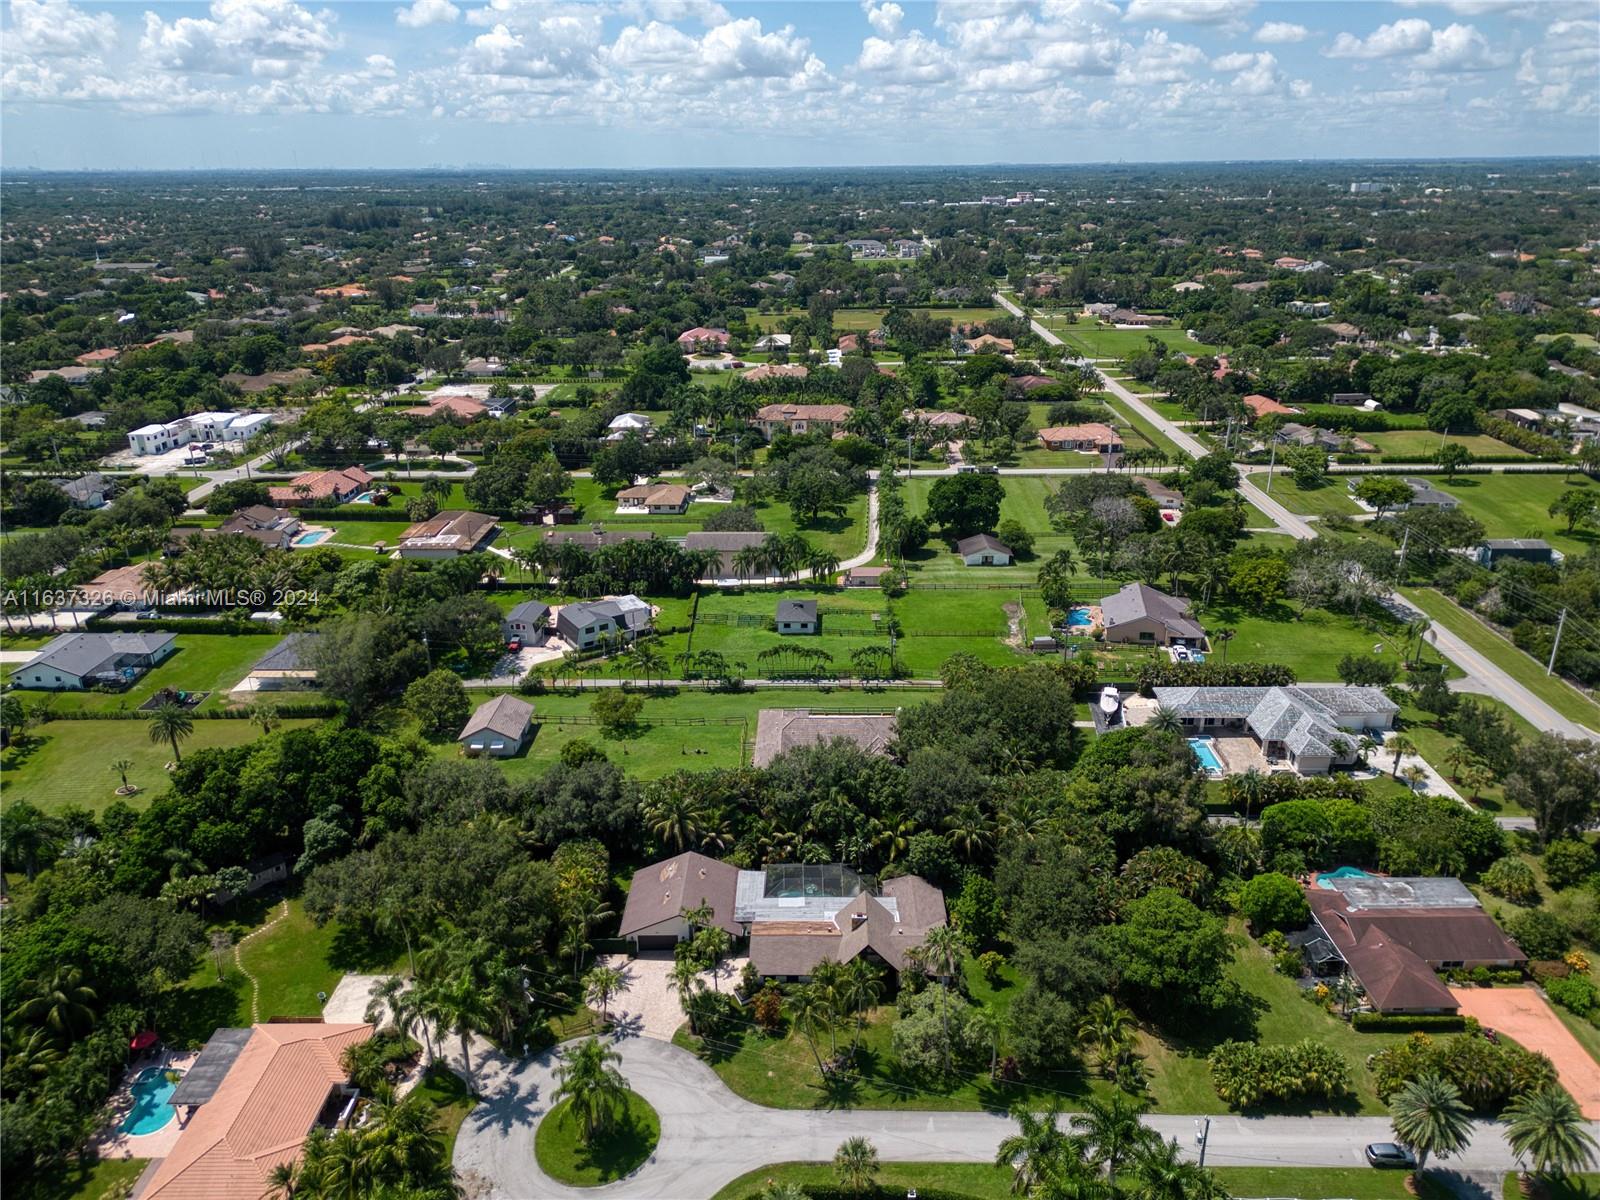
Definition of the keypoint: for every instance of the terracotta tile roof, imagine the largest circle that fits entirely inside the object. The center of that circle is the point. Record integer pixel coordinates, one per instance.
(1261, 406)
(259, 1116)
(804, 412)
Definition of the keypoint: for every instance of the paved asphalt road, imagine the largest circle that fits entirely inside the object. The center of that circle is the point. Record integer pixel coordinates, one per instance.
(709, 1136)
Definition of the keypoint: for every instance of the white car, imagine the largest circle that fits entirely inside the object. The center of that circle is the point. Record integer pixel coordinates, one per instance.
(1180, 654)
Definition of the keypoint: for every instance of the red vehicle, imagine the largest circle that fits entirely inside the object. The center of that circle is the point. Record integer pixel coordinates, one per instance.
(514, 645)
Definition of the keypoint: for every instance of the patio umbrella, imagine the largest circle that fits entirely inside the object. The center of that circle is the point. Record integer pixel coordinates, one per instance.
(143, 1041)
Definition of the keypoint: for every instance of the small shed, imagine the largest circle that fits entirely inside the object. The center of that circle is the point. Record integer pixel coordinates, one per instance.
(984, 550)
(797, 616)
(499, 728)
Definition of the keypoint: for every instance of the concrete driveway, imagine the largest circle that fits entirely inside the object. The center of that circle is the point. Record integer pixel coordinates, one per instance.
(649, 1006)
(1526, 1017)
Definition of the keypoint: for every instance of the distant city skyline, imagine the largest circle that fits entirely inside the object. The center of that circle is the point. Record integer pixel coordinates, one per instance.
(641, 84)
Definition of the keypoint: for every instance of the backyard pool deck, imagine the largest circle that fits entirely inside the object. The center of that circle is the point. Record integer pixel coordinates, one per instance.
(112, 1142)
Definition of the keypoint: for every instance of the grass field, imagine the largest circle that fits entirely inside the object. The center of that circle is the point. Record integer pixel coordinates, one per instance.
(203, 662)
(1426, 442)
(1331, 498)
(69, 762)
(1098, 341)
(1149, 432)
(1436, 745)
(848, 320)
(1518, 505)
(1562, 697)
(106, 1179)
(720, 732)
(1311, 644)
(451, 1101)
(1024, 503)
(612, 1155)
(985, 1181)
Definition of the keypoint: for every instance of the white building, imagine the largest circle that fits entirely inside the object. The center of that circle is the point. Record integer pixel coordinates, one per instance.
(223, 427)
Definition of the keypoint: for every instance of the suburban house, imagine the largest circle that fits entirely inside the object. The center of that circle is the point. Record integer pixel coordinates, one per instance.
(525, 621)
(779, 730)
(658, 499)
(320, 489)
(984, 550)
(447, 534)
(1127, 316)
(583, 625)
(1138, 613)
(205, 427)
(287, 666)
(1310, 727)
(1394, 933)
(941, 421)
(777, 371)
(652, 918)
(499, 728)
(795, 915)
(870, 577)
(798, 616)
(1532, 550)
(120, 587)
(799, 418)
(769, 342)
(987, 343)
(629, 422)
(274, 527)
(1295, 434)
(483, 368)
(703, 338)
(87, 491)
(1091, 438)
(451, 406)
(249, 1101)
(593, 539)
(1163, 495)
(1265, 406)
(1423, 495)
(75, 661)
(727, 544)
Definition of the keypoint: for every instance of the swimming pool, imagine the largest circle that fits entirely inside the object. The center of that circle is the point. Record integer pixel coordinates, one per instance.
(311, 539)
(150, 1110)
(1207, 754)
(1341, 873)
(1079, 618)
(364, 498)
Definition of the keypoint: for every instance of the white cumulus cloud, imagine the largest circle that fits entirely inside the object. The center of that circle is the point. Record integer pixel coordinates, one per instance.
(426, 12)
(1190, 12)
(884, 18)
(55, 27)
(1410, 35)
(913, 59)
(1281, 33)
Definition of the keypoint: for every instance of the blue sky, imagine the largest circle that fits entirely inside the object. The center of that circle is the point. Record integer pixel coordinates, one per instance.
(651, 83)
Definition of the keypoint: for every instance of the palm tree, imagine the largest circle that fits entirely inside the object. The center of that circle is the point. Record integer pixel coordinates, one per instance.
(591, 1085)
(1107, 1026)
(1252, 789)
(1034, 1152)
(461, 1007)
(599, 985)
(1112, 1131)
(1428, 1116)
(1160, 1172)
(856, 1163)
(1165, 720)
(812, 1012)
(389, 997)
(1222, 637)
(60, 1005)
(122, 766)
(1416, 777)
(169, 723)
(861, 984)
(283, 1181)
(1476, 776)
(27, 834)
(264, 714)
(1400, 744)
(1546, 1127)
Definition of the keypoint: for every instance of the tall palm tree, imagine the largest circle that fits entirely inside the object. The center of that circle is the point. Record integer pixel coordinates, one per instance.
(61, 1005)
(592, 1086)
(1112, 1131)
(1035, 1151)
(462, 1008)
(1547, 1128)
(811, 1012)
(283, 1181)
(599, 985)
(1160, 1172)
(945, 947)
(389, 997)
(1106, 1025)
(856, 1163)
(1399, 745)
(170, 723)
(1429, 1116)
(1222, 637)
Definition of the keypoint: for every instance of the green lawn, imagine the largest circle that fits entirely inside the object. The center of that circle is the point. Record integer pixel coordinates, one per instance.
(615, 1154)
(1311, 645)
(1023, 503)
(1150, 433)
(848, 320)
(1098, 341)
(1436, 745)
(723, 740)
(203, 662)
(1518, 505)
(66, 763)
(451, 1100)
(985, 1181)
(1277, 1012)
(1425, 442)
(1331, 497)
(1562, 697)
(106, 1179)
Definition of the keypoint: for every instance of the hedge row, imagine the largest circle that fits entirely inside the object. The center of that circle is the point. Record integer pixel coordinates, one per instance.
(1428, 458)
(1370, 1022)
(182, 625)
(1209, 674)
(1524, 439)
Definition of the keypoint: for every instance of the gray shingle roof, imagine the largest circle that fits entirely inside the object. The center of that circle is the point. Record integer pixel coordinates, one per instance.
(981, 541)
(797, 610)
(291, 654)
(1138, 601)
(80, 653)
(529, 612)
(506, 715)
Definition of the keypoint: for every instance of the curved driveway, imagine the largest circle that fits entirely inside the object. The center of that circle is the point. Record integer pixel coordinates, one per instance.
(709, 1136)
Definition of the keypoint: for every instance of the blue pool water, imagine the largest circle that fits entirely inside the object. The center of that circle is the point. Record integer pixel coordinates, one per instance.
(364, 498)
(1341, 873)
(1078, 618)
(1206, 754)
(311, 539)
(150, 1110)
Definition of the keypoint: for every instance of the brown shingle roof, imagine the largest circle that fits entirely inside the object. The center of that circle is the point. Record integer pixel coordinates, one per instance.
(782, 729)
(662, 890)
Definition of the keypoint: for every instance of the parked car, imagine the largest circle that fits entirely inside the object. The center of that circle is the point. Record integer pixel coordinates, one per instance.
(513, 645)
(1180, 654)
(1390, 1154)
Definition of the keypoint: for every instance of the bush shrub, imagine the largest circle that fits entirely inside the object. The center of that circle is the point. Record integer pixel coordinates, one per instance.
(1512, 879)
(1247, 1075)
(1575, 993)
(1489, 1074)
(1209, 674)
(1273, 901)
(1567, 862)
(1541, 934)
(1371, 1022)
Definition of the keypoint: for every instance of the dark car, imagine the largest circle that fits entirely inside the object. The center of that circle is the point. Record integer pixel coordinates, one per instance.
(1389, 1154)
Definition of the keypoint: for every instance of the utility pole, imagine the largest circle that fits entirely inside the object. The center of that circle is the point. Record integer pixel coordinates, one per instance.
(1556, 645)
(1400, 570)
(1272, 462)
(1202, 1135)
